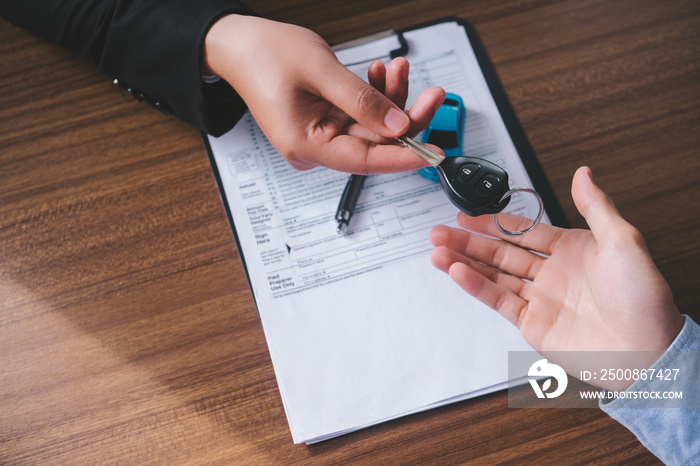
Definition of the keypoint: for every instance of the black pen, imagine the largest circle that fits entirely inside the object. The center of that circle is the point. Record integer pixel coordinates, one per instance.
(348, 200)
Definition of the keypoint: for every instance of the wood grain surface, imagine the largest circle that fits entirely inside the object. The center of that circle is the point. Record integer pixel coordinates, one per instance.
(128, 333)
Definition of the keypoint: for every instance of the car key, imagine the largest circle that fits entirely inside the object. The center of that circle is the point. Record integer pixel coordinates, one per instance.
(476, 186)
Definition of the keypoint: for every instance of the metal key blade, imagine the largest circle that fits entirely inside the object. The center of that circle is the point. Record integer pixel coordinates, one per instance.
(433, 158)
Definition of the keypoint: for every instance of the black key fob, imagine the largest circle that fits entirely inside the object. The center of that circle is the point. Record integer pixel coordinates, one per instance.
(476, 186)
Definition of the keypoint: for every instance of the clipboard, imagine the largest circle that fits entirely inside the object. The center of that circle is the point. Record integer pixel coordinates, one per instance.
(399, 358)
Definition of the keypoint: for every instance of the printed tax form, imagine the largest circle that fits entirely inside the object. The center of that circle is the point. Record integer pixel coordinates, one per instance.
(360, 327)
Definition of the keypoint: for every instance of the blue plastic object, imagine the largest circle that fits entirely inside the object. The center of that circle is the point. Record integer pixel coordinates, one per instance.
(445, 131)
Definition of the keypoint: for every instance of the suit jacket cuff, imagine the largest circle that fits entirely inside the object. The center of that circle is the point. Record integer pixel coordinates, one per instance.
(157, 52)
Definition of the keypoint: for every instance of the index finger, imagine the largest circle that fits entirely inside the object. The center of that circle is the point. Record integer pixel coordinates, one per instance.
(361, 101)
(352, 154)
(540, 239)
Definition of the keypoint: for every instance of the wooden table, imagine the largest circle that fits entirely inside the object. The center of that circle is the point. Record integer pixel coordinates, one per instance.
(128, 332)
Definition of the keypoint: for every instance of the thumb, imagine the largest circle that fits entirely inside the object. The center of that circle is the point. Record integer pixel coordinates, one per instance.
(362, 102)
(597, 208)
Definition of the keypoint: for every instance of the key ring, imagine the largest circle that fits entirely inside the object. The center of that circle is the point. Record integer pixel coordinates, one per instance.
(534, 222)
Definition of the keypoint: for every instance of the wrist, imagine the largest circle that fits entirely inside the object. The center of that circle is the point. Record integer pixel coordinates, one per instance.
(222, 43)
(646, 355)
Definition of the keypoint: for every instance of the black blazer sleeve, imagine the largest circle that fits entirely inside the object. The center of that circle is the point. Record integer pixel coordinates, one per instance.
(153, 47)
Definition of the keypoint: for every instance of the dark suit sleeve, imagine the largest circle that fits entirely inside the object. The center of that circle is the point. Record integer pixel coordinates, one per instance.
(153, 47)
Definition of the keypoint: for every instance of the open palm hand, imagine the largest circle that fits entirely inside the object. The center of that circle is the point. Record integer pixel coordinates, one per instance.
(566, 290)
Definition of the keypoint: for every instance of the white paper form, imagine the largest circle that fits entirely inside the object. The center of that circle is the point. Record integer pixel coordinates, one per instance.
(360, 327)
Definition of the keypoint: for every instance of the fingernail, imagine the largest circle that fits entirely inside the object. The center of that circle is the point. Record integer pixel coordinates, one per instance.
(440, 102)
(590, 175)
(404, 71)
(396, 121)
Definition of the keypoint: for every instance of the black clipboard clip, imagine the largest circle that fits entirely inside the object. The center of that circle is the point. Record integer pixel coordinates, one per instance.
(391, 54)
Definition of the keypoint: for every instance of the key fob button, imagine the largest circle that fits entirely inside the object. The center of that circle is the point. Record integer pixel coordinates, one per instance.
(467, 171)
(487, 184)
(474, 185)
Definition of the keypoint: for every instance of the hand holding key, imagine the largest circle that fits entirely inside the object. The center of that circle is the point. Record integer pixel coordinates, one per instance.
(313, 109)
